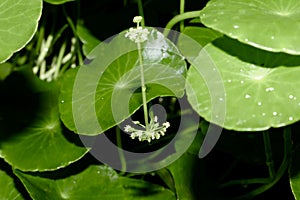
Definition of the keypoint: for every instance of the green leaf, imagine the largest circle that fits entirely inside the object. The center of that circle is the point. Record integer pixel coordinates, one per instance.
(294, 172)
(8, 190)
(267, 24)
(32, 136)
(57, 2)
(19, 21)
(5, 70)
(89, 41)
(228, 89)
(106, 90)
(192, 34)
(95, 182)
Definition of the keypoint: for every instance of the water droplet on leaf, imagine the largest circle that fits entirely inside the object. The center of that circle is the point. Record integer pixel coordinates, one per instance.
(270, 89)
(247, 96)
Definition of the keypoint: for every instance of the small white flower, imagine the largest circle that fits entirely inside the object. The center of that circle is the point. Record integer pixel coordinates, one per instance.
(154, 131)
(138, 34)
(137, 19)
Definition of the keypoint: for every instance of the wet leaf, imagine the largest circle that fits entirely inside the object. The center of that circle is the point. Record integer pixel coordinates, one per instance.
(268, 24)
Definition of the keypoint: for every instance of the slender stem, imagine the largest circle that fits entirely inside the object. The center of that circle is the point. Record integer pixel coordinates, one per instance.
(268, 153)
(246, 182)
(79, 55)
(120, 150)
(180, 17)
(141, 11)
(181, 11)
(282, 169)
(143, 87)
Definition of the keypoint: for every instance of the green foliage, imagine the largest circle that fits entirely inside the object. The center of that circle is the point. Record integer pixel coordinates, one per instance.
(233, 64)
(164, 75)
(8, 189)
(19, 21)
(84, 185)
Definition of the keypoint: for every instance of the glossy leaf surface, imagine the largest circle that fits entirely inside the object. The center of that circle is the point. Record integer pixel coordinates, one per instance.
(19, 21)
(255, 97)
(271, 25)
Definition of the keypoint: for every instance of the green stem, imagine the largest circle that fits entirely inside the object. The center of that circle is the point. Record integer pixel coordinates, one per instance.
(120, 149)
(141, 11)
(246, 182)
(180, 17)
(72, 25)
(268, 153)
(282, 169)
(181, 11)
(143, 87)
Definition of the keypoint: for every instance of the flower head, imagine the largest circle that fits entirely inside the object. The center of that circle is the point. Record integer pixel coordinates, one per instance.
(153, 132)
(138, 34)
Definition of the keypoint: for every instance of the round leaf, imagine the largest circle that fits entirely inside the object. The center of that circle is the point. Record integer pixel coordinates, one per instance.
(106, 90)
(19, 21)
(8, 190)
(95, 182)
(271, 25)
(255, 98)
(32, 136)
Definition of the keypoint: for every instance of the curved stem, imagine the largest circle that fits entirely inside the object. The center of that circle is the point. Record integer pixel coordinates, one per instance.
(180, 17)
(282, 169)
(181, 11)
(141, 11)
(120, 149)
(143, 87)
(268, 153)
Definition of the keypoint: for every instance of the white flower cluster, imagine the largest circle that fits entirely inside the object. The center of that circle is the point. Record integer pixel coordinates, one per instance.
(138, 34)
(154, 131)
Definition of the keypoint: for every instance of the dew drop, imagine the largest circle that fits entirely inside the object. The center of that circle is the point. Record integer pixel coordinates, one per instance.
(263, 114)
(242, 82)
(270, 89)
(253, 115)
(221, 99)
(259, 103)
(272, 37)
(247, 96)
(62, 101)
(236, 26)
(229, 81)
(246, 40)
(291, 118)
(275, 113)
(292, 97)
